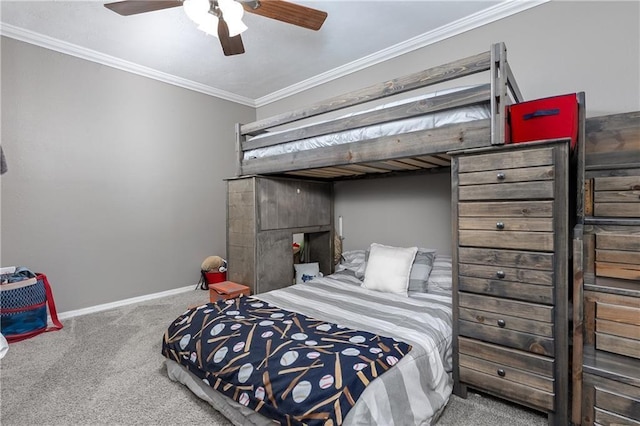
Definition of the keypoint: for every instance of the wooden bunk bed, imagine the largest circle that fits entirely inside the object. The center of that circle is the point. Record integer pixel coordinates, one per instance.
(413, 150)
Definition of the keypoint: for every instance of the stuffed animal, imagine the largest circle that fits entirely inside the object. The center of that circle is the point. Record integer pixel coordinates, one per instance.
(213, 263)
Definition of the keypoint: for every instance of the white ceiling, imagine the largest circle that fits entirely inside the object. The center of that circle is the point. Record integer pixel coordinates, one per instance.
(280, 59)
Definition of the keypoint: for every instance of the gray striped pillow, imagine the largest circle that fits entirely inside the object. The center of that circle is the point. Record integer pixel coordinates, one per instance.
(440, 281)
(421, 269)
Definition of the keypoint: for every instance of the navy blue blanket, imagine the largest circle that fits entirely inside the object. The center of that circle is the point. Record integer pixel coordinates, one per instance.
(286, 366)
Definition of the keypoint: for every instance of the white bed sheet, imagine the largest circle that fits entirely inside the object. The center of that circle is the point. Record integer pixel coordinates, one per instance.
(423, 122)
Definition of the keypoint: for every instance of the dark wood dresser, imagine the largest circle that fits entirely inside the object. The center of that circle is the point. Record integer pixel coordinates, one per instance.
(606, 373)
(511, 274)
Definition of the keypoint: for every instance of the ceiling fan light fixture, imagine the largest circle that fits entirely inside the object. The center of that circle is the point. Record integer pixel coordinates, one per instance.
(196, 10)
(232, 13)
(204, 13)
(209, 25)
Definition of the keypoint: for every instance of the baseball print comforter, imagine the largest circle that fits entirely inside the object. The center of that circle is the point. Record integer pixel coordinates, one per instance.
(323, 353)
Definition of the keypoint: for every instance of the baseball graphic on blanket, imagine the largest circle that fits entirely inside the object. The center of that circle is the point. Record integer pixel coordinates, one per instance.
(220, 354)
(301, 391)
(185, 341)
(245, 372)
(288, 358)
(326, 381)
(217, 329)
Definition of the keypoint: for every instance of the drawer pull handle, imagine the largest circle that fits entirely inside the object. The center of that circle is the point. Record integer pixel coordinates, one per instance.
(501, 323)
(500, 274)
(501, 372)
(500, 225)
(500, 176)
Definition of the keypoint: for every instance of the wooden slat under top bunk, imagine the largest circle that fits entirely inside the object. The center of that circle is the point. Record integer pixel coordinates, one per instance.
(357, 170)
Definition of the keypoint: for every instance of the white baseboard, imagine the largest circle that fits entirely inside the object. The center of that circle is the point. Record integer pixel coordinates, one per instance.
(111, 305)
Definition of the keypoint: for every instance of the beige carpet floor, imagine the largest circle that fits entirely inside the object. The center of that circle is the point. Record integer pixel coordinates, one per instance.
(106, 369)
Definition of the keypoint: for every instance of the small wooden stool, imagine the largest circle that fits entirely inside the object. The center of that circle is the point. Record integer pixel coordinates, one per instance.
(227, 290)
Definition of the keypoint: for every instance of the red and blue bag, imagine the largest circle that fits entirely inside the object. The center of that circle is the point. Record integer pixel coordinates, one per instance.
(24, 297)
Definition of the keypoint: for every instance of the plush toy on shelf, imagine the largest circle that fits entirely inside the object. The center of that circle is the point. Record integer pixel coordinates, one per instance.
(214, 264)
(213, 269)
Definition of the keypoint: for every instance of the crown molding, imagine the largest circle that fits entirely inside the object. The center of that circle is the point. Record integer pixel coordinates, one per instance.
(486, 16)
(51, 43)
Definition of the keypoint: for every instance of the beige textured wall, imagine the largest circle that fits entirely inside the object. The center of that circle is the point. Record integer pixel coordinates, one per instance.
(115, 186)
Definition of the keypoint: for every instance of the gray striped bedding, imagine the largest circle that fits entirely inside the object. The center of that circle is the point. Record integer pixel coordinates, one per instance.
(414, 392)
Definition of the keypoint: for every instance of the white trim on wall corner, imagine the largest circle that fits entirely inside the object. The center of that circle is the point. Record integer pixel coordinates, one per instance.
(119, 303)
(51, 43)
(487, 16)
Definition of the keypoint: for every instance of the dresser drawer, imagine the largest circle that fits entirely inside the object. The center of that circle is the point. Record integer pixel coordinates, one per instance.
(506, 258)
(507, 191)
(505, 160)
(624, 408)
(616, 196)
(618, 327)
(500, 330)
(537, 241)
(618, 256)
(501, 209)
(507, 322)
(514, 339)
(509, 364)
(527, 174)
(507, 389)
(532, 285)
(513, 175)
(506, 224)
(505, 273)
(507, 289)
(610, 402)
(514, 308)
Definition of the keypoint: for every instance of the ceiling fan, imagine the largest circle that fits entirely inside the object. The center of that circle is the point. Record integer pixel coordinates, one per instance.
(222, 18)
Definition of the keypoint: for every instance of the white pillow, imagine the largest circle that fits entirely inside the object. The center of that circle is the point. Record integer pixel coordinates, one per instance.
(389, 268)
(306, 272)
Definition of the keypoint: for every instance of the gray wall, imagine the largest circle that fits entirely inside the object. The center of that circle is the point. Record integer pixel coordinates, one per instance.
(402, 211)
(115, 186)
(556, 48)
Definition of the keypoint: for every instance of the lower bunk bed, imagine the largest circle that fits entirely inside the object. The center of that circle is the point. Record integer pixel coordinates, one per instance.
(326, 352)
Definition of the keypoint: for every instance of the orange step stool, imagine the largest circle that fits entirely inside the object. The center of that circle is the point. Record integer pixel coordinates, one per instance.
(227, 290)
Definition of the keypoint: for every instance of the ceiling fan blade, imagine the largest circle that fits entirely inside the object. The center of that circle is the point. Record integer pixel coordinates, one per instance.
(290, 13)
(230, 45)
(132, 7)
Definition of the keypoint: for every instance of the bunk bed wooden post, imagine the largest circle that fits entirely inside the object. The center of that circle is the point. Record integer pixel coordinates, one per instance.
(580, 159)
(499, 95)
(240, 138)
(578, 324)
(578, 263)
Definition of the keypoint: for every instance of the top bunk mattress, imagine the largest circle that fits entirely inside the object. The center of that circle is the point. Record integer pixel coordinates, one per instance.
(423, 122)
